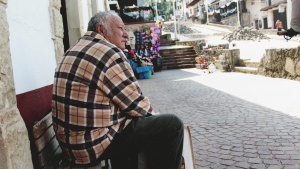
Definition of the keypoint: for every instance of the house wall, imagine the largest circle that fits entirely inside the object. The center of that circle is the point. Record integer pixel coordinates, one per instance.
(31, 45)
(254, 8)
(255, 13)
(271, 19)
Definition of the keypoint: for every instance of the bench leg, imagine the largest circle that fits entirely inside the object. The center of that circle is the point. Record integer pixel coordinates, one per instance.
(106, 164)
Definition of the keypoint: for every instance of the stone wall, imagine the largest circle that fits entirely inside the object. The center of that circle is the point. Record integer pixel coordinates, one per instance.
(231, 56)
(14, 143)
(245, 19)
(57, 28)
(281, 63)
(232, 20)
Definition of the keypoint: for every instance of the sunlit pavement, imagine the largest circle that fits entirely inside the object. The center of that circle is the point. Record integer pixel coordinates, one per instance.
(237, 120)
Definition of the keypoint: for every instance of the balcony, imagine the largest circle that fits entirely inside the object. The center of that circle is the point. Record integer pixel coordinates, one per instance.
(273, 4)
(192, 3)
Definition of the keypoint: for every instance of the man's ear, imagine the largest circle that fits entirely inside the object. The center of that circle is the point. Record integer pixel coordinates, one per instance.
(100, 29)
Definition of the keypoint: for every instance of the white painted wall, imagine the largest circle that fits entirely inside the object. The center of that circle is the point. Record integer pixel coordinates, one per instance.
(288, 10)
(85, 15)
(32, 49)
(271, 22)
(255, 13)
(101, 5)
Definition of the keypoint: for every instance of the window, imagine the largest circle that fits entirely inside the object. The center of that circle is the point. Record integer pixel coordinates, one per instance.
(137, 10)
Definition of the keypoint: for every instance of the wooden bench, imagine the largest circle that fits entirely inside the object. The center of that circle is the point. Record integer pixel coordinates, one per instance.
(50, 154)
(48, 150)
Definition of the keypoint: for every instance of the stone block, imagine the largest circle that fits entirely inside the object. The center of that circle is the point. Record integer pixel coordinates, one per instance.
(290, 66)
(3, 1)
(292, 53)
(297, 69)
(4, 31)
(56, 4)
(7, 96)
(59, 49)
(58, 23)
(14, 143)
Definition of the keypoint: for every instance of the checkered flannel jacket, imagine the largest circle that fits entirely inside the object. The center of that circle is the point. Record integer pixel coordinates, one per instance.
(94, 95)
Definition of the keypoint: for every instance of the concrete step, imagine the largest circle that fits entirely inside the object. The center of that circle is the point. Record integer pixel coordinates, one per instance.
(249, 70)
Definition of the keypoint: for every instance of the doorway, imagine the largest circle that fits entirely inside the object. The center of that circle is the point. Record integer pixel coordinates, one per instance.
(265, 20)
(63, 12)
(256, 24)
(280, 16)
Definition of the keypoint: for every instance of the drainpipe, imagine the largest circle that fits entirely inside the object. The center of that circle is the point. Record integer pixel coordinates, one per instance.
(174, 13)
(238, 13)
(206, 6)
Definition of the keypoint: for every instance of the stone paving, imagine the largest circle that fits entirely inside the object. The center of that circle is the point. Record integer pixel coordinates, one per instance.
(237, 120)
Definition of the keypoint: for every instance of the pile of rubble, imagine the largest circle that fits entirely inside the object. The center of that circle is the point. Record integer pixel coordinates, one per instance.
(183, 29)
(245, 33)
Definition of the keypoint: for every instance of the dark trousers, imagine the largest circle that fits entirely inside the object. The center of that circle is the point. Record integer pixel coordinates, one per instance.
(159, 137)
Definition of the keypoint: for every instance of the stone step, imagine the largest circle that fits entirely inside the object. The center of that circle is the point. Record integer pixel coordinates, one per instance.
(178, 66)
(177, 51)
(252, 64)
(249, 63)
(178, 57)
(249, 70)
(179, 62)
(166, 42)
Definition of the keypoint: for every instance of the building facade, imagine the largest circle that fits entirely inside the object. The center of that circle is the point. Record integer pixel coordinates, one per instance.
(259, 14)
(271, 11)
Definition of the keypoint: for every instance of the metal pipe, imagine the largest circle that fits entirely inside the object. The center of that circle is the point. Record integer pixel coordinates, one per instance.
(174, 13)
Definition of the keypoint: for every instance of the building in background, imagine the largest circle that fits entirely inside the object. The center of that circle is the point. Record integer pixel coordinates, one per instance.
(259, 14)
(271, 11)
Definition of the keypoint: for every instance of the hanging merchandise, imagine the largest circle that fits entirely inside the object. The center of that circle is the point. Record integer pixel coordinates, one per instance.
(146, 59)
(138, 39)
(131, 39)
(229, 12)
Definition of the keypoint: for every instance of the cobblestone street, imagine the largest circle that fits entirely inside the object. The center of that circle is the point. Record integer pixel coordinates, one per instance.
(237, 120)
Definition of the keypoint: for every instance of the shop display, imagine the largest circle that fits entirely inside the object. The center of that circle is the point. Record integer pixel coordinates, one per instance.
(144, 57)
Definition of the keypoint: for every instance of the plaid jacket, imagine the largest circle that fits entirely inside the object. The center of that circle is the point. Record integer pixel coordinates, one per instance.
(94, 95)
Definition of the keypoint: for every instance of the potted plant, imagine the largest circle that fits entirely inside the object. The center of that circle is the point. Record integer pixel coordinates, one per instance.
(201, 61)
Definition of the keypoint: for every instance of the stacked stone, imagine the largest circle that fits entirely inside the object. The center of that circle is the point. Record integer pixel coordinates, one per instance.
(245, 33)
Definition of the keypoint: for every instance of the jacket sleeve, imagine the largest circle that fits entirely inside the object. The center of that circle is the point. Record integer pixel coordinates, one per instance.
(120, 85)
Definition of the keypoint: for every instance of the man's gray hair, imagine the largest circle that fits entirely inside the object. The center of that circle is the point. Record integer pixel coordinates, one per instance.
(101, 18)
